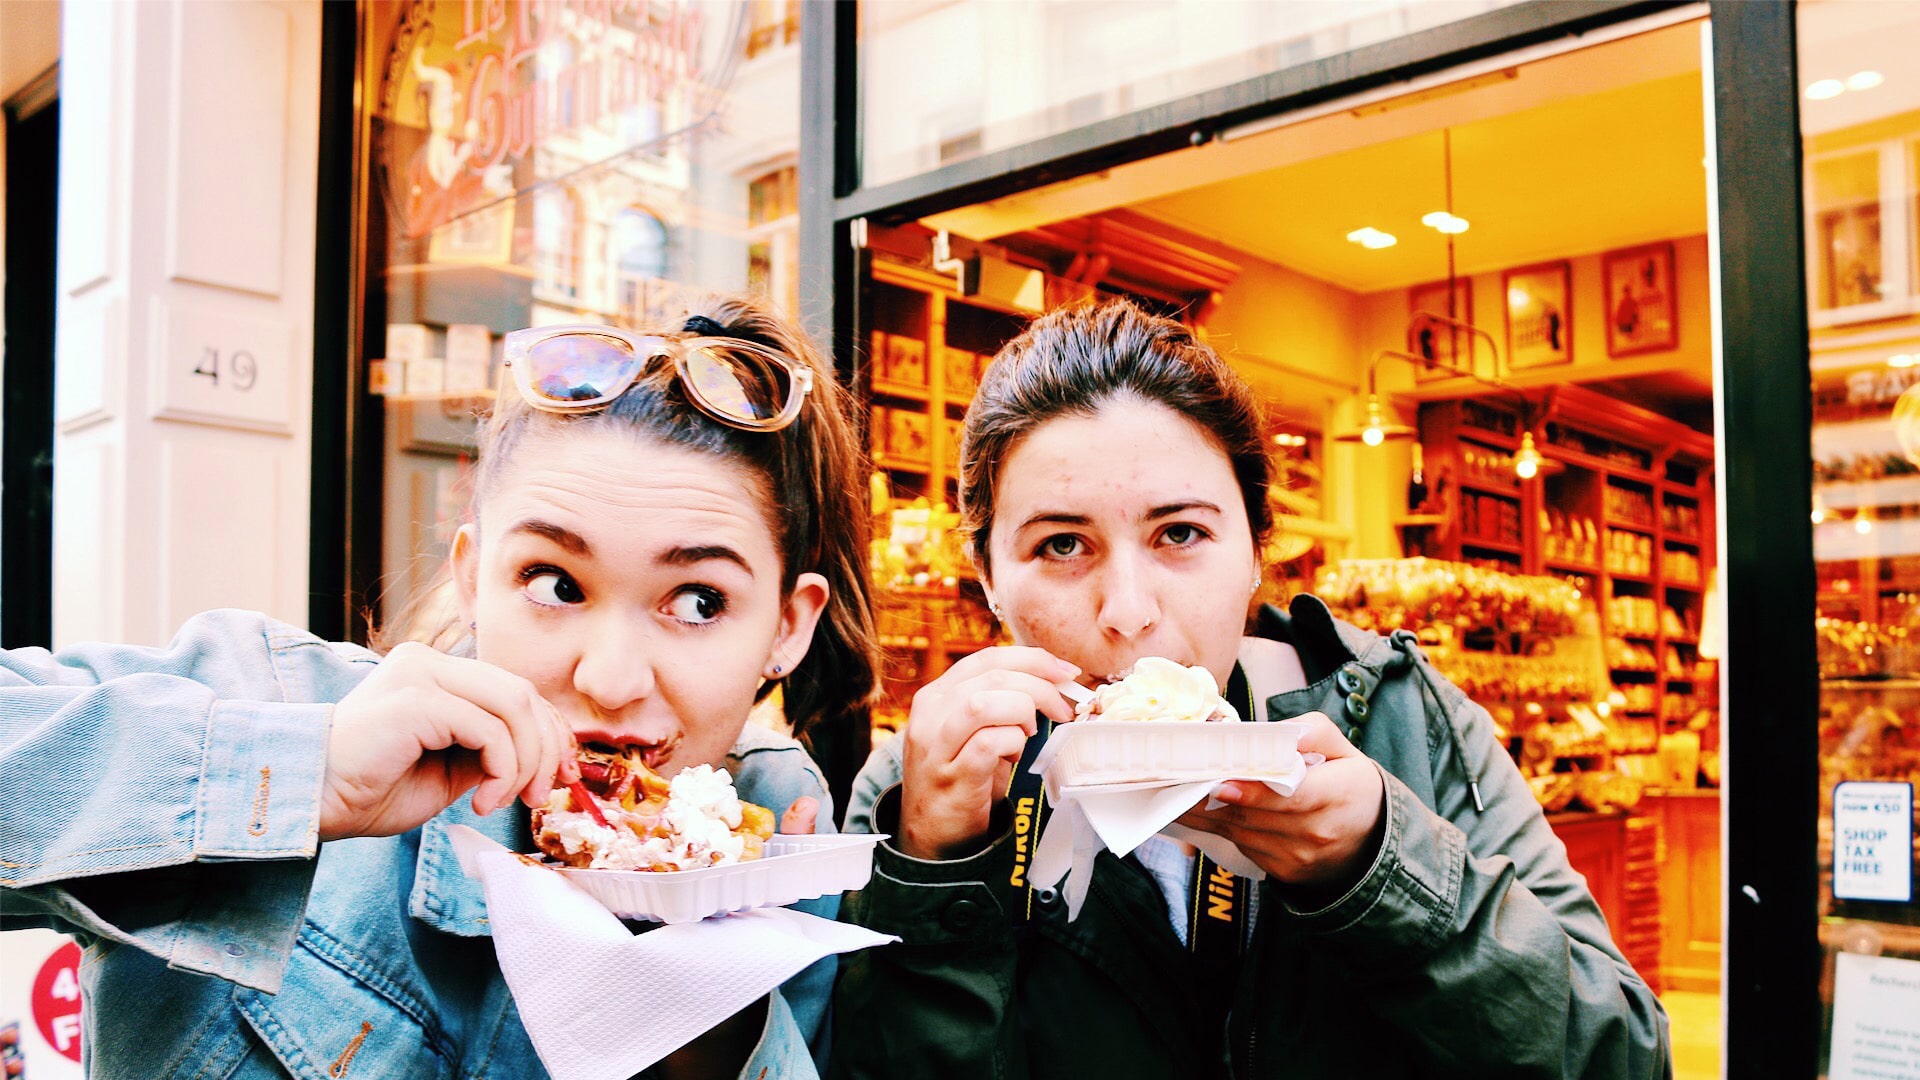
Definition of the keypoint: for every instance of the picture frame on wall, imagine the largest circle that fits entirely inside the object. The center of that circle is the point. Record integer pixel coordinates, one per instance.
(1435, 342)
(1641, 302)
(1539, 315)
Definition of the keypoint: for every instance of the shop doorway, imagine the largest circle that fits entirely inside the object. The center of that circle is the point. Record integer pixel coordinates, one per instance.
(26, 425)
(1480, 315)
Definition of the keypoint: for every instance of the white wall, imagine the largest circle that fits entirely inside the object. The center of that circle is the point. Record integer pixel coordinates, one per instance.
(189, 133)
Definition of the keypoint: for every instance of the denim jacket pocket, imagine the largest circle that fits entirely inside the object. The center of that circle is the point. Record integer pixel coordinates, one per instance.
(337, 1026)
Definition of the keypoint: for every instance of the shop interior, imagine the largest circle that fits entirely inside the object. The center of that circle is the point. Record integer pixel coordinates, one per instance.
(1478, 313)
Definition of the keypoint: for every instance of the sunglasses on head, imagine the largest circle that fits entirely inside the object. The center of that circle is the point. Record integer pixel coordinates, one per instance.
(572, 369)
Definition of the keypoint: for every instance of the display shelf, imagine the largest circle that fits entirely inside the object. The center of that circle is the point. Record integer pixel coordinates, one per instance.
(901, 391)
(1572, 567)
(1497, 439)
(1503, 546)
(1629, 473)
(1481, 487)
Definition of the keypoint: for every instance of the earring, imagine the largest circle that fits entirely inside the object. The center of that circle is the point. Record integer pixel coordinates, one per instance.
(994, 606)
(777, 669)
(1256, 583)
(473, 626)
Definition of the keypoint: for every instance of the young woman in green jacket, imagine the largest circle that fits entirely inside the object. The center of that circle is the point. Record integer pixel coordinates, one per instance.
(1418, 917)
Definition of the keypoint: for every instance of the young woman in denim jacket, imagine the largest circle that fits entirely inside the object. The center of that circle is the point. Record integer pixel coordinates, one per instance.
(248, 828)
(1418, 917)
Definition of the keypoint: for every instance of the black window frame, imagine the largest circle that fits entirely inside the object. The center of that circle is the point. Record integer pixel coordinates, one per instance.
(1772, 959)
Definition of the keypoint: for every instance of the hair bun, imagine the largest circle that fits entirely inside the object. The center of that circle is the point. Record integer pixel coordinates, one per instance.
(701, 326)
(707, 326)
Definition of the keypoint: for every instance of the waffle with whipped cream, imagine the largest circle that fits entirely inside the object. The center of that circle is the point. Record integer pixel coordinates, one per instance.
(621, 815)
(1159, 689)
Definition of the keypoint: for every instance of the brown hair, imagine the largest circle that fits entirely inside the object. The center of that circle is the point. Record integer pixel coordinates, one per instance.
(1073, 361)
(812, 480)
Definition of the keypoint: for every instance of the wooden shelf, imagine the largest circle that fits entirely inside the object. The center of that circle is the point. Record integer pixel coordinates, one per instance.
(918, 468)
(1503, 546)
(1479, 487)
(1684, 587)
(903, 391)
(1628, 526)
(1637, 579)
(1496, 439)
(1685, 541)
(1419, 520)
(1572, 567)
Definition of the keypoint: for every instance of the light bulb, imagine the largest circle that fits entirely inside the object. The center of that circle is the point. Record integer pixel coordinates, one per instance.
(1526, 463)
(1819, 515)
(1373, 436)
(1863, 524)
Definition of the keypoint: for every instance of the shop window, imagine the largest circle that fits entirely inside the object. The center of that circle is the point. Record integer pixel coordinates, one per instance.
(775, 23)
(555, 243)
(1860, 235)
(773, 240)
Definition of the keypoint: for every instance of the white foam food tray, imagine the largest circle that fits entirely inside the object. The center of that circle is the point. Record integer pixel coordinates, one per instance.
(794, 868)
(1144, 751)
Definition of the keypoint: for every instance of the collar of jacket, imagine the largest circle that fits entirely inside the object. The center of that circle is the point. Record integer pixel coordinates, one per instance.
(443, 896)
(1341, 661)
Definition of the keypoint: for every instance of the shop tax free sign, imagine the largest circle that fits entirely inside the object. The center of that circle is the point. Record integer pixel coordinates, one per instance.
(1873, 841)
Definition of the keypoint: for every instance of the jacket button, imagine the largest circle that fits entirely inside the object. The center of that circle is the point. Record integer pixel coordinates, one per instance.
(1348, 680)
(1357, 707)
(961, 916)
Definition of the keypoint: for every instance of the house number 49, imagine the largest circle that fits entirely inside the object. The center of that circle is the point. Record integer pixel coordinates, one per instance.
(238, 367)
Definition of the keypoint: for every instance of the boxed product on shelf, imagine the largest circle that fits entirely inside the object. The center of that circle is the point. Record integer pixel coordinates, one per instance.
(907, 437)
(906, 360)
(1629, 553)
(962, 371)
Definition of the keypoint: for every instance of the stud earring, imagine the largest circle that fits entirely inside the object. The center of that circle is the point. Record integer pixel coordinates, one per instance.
(777, 669)
(473, 626)
(994, 606)
(1256, 583)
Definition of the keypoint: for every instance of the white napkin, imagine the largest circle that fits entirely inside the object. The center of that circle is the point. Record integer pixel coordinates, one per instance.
(1120, 817)
(600, 1001)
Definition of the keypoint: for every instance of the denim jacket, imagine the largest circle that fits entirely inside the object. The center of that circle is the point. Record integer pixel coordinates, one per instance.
(162, 805)
(1469, 947)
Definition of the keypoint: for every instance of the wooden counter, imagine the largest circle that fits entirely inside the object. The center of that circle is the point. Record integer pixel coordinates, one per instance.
(1690, 886)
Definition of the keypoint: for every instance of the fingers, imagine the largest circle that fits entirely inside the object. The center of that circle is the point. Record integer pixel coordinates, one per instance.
(1323, 737)
(801, 816)
(986, 748)
(1038, 663)
(462, 723)
(1043, 695)
(540, 737)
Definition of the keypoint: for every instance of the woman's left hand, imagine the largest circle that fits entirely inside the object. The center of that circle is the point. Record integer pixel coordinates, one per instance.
(1325, 835)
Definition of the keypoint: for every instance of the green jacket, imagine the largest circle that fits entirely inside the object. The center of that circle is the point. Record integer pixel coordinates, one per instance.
(1470, 948)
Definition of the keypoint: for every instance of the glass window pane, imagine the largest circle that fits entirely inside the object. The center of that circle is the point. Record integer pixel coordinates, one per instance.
(1860, 115)
(942, 82)
(543, 163)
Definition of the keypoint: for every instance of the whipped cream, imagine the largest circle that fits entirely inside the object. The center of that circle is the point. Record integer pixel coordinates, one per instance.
(1159, 689)
(699, 819)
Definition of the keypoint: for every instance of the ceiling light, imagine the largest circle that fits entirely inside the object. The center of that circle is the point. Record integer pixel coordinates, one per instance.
(1865, 80)
(1526, 463)
(1372, 239)
(1445, 222)
(1826, 88)
(1864, 523)
(1901, 360)
(1375, 429)
(1517, 297)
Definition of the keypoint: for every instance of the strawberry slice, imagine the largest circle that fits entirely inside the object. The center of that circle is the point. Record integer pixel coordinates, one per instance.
(578, 793)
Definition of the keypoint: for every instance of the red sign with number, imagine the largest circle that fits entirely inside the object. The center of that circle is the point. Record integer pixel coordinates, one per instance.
(56, 1000)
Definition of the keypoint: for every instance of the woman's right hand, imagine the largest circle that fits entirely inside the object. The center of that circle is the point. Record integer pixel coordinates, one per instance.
(425, 727)
(963, 738)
